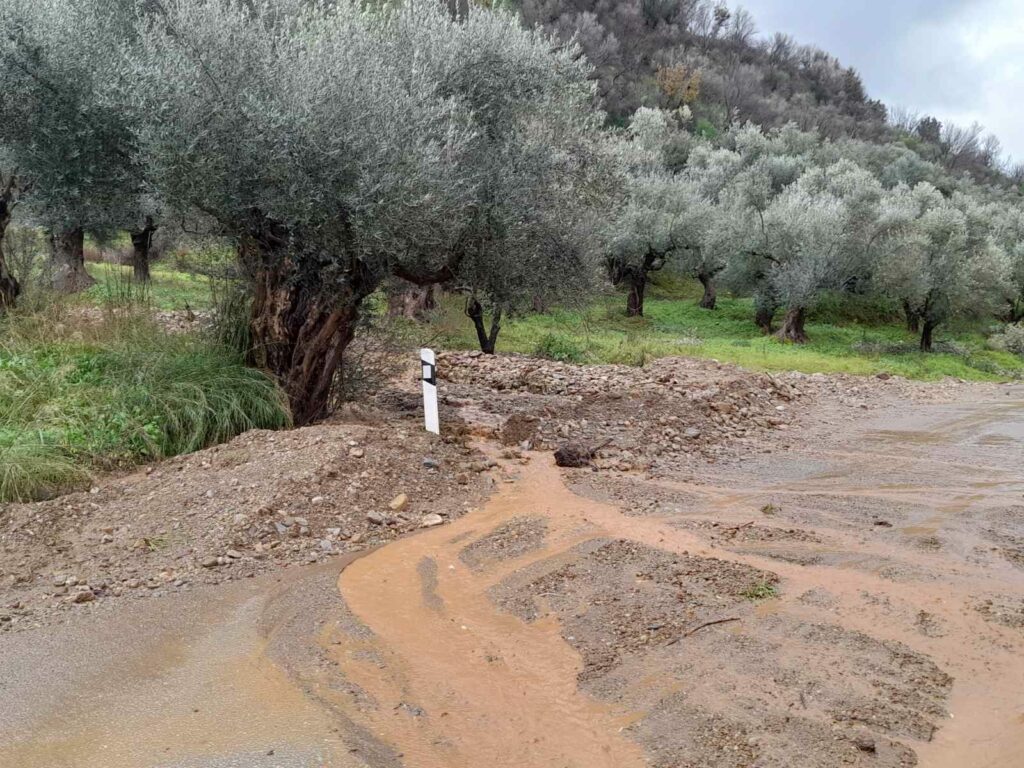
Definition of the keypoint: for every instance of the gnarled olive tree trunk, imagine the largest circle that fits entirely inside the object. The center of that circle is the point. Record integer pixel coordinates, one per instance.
(793, 326)
(488, 340)
(9, 288)
(710, 297)
(928, 327)
(300, 329)
(67, 255)
(635, 297)
(142, 244)
(764, 314)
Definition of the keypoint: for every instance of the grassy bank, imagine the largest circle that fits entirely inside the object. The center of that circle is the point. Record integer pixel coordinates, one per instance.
(845, 338)
(78, 395)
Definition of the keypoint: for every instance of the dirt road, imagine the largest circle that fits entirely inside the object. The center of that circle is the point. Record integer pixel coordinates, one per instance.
(851, 594)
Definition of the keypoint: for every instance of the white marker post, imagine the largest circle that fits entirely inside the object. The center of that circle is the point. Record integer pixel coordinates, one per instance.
(429, 365)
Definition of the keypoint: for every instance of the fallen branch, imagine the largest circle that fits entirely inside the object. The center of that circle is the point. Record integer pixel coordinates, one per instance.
(710, 624)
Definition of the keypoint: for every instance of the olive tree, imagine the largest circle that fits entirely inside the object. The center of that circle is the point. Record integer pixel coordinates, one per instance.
(1007, 222)
(813, 237)
(338, 146)
(540, 177)
(663, 216)
(942, 264)
(72, 147)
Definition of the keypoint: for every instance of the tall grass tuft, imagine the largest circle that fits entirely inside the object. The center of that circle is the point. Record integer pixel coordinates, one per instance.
(80, 391)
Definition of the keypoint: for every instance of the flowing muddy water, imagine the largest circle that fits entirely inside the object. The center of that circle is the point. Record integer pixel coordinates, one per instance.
(472, 685)
(460, 681)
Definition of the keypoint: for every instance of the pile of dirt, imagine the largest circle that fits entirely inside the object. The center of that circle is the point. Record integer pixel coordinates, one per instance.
(723, 683)
(635, 596)
(263, 500)
(508, 541)
(666, 412)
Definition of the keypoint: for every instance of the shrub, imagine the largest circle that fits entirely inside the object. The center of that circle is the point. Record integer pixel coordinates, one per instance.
(555, 346)
(1010, 339)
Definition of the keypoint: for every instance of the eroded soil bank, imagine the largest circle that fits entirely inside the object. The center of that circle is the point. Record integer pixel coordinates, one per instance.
(760, 571)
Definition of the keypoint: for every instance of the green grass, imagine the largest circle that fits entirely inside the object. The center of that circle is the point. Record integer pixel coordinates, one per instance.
(77, 395)
(763, 590)
(861, 339)
(168, 289)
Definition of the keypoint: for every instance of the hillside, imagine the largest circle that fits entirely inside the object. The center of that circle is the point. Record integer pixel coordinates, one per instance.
(715, 61)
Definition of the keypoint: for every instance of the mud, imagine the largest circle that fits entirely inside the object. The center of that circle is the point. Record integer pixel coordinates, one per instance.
(844, 591)
(846, 601)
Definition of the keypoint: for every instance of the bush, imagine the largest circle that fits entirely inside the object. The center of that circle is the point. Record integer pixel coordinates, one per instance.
(555, 346)
(76, 395)
(1010, 339)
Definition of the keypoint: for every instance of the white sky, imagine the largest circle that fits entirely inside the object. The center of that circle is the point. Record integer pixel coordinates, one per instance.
(959, 60)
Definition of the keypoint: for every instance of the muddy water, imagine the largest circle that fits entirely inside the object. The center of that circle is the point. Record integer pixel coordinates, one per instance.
(458, 683)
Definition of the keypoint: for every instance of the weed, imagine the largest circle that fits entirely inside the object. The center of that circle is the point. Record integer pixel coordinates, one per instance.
(556, 346)
(762, 590)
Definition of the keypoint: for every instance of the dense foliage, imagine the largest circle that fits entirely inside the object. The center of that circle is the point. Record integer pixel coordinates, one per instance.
(789, 217)
(341, 146)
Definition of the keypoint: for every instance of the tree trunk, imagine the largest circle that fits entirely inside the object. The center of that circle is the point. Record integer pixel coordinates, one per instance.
(793, 327)
(67, 253)
(927, 331)
(710, 297)
(300, 332)
(764, 317)
(411, 301)
(142, 242)
(1016, 313)
(9, 288)
(913, 317)
(635, 299)
(488, 340)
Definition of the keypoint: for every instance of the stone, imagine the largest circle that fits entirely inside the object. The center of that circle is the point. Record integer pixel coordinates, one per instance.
(864, 741)
(399, 503)
(84, 596)
(429, 463)
(357, 453)
(234, 554)
(210, 562)
(431, 521)
(377, 518)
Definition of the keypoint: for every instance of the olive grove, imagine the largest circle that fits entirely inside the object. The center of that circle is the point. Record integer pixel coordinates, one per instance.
(789, 218)
(72, 147)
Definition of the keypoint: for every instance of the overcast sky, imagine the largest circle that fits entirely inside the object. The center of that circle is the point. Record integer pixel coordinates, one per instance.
(959, 60)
